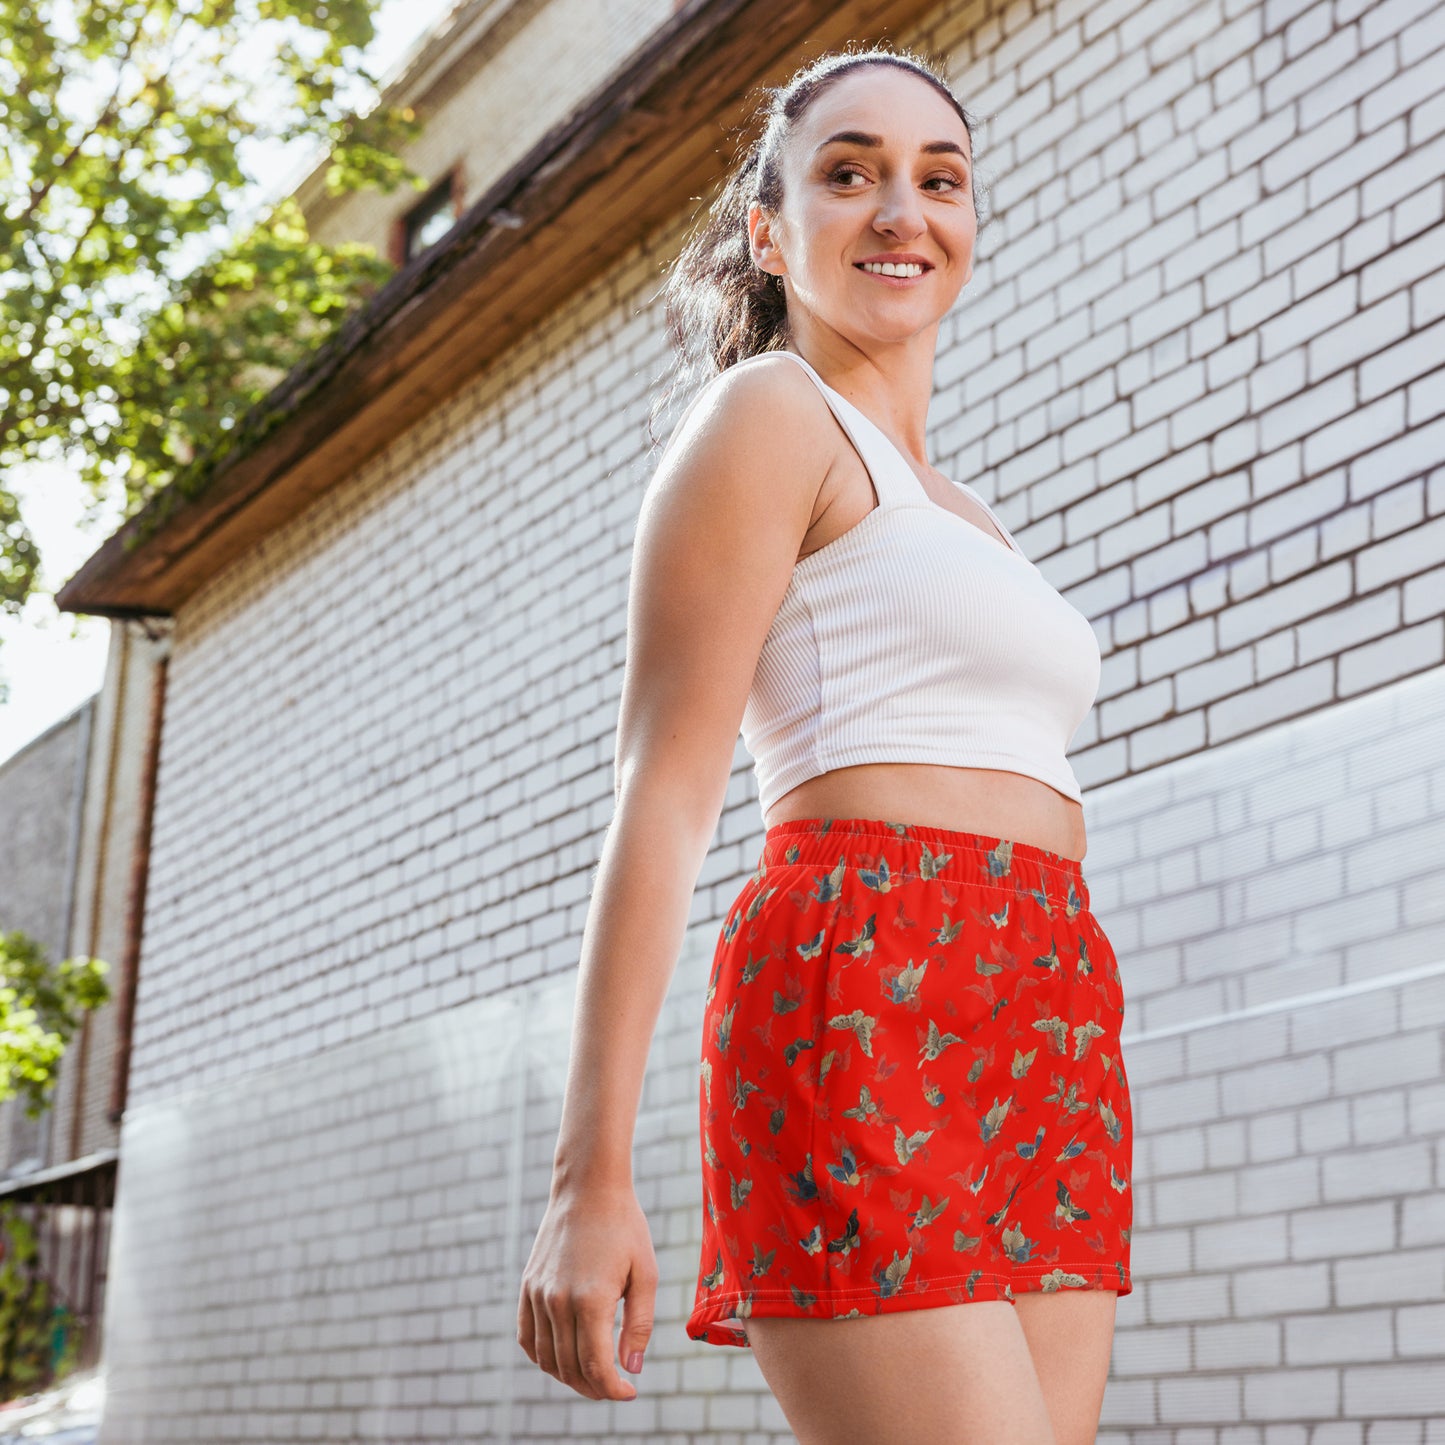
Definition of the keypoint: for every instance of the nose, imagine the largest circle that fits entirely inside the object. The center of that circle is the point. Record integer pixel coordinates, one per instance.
(900, 210)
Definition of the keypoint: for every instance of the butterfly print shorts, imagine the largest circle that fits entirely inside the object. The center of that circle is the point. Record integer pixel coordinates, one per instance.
(911, 1091)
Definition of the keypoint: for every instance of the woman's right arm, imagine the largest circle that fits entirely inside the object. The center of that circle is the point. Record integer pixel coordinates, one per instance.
(719, 531)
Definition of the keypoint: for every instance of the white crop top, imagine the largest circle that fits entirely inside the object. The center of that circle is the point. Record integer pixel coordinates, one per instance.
(916, 637)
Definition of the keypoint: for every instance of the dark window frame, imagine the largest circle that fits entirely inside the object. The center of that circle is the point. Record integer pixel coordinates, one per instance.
(446, 194)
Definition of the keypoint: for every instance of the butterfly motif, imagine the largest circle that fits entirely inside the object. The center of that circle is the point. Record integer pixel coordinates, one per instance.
(889, 1278)
(814, 946)
(904, 1145)
(1057, 1030)
(1066, 1211)
(1027, 1151)
(829, 886)
(947, 931)
(740, 1189)
(742, 1089)
(848, 1240)
(903, 986)
(1049, 960)
(791, 1052)
(753, 966)
(926, 1213)
(724, 1032)
(862, 941)
(865, 1108)
(879, 879)
(1016, 1245)
(846, 1170)
(1084, 1035)
(860, 1024)
(935, 1043)
(801, 1186)
(993, 1120)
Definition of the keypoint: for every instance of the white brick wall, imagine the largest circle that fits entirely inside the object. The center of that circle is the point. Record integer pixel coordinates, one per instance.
(485, 126)
(1194, 369)
(330, 1248)
(1200, 344)
(1290, 1162)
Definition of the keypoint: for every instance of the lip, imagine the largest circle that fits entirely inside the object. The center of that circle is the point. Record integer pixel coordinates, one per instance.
(897, 282)
(899, 258)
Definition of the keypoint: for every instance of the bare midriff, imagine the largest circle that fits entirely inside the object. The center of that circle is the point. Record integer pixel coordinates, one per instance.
(991, 801)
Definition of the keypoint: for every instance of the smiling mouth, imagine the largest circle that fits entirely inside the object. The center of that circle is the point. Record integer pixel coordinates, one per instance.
(903, 271)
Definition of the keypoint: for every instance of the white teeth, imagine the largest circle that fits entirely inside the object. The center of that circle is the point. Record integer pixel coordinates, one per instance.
(891, 268)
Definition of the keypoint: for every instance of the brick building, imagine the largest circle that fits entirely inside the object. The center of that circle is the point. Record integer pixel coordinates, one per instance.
(1198, 371)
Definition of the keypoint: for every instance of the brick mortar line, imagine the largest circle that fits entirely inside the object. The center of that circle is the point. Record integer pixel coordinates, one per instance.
(1299, 1000)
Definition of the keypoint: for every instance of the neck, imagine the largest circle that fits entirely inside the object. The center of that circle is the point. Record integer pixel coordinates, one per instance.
(891, 385)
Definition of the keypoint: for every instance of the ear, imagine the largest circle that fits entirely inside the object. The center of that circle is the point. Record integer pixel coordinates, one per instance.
(766, 255)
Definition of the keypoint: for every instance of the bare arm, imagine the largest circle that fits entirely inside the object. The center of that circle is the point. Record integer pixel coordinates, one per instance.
(718, 534)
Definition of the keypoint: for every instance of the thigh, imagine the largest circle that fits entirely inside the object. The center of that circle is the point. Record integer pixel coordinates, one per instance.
(1070, 1335)
(949, 1375)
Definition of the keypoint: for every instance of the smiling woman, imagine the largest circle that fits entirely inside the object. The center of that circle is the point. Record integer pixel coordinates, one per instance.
(913, 1110)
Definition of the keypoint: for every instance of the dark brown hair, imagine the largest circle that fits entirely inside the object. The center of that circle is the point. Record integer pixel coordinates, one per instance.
(719, 307)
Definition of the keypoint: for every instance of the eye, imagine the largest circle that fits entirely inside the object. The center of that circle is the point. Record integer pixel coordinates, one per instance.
(953, 181)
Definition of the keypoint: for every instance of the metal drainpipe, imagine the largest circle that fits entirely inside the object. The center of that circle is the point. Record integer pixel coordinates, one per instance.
(72, 863)
(139, 877)
(97, 909)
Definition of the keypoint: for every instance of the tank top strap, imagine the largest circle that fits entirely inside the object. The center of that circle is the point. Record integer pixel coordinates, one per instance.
(894, 480)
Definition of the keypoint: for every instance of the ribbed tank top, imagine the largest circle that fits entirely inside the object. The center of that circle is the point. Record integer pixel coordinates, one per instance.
(915, 637)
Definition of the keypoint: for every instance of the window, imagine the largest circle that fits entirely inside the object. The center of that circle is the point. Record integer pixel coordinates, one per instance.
(429, 220)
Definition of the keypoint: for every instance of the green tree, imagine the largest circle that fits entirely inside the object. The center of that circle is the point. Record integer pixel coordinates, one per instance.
(144, 307)
(41, 1005)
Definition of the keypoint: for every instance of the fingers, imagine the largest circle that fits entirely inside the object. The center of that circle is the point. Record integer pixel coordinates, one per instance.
(587, 1347)
(638, 1310)
(570, 1338)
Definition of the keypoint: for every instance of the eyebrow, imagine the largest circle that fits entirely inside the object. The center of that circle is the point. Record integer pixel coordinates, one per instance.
(863, 138)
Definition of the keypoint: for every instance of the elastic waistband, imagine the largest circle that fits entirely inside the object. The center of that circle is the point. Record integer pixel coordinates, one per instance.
(956, 855)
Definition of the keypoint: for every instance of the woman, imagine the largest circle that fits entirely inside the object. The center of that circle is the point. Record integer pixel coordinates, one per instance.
(914, 1117)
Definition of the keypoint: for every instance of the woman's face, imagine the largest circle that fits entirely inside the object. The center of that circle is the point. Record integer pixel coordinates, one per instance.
(879, 166)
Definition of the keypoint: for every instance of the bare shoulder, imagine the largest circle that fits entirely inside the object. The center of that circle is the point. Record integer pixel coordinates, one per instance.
(763, 416)
(718, 537)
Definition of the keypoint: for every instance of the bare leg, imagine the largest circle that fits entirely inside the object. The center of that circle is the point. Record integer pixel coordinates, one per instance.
(951, 1375)
(1070, 1335)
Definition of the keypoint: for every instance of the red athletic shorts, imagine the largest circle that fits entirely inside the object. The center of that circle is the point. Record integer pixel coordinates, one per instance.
(911, 1089)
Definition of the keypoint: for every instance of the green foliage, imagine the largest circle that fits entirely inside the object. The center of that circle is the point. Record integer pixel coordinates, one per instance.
(30, 1314)
(19, 557)
(141, 314)
(40, 1008)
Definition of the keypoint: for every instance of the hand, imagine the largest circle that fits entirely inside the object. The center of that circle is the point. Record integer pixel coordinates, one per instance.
(593, 1248)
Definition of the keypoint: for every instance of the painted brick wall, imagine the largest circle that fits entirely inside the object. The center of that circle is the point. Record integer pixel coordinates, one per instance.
(539, 58)
(1195, 372)
(1279, 904)
(332, 1248)
(1201, 368)
(39, 784)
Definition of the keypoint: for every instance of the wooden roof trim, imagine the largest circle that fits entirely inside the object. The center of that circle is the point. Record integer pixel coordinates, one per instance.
(592, 188)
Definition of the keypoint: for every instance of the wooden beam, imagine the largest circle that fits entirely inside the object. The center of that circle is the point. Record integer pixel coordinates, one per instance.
(593, 187)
